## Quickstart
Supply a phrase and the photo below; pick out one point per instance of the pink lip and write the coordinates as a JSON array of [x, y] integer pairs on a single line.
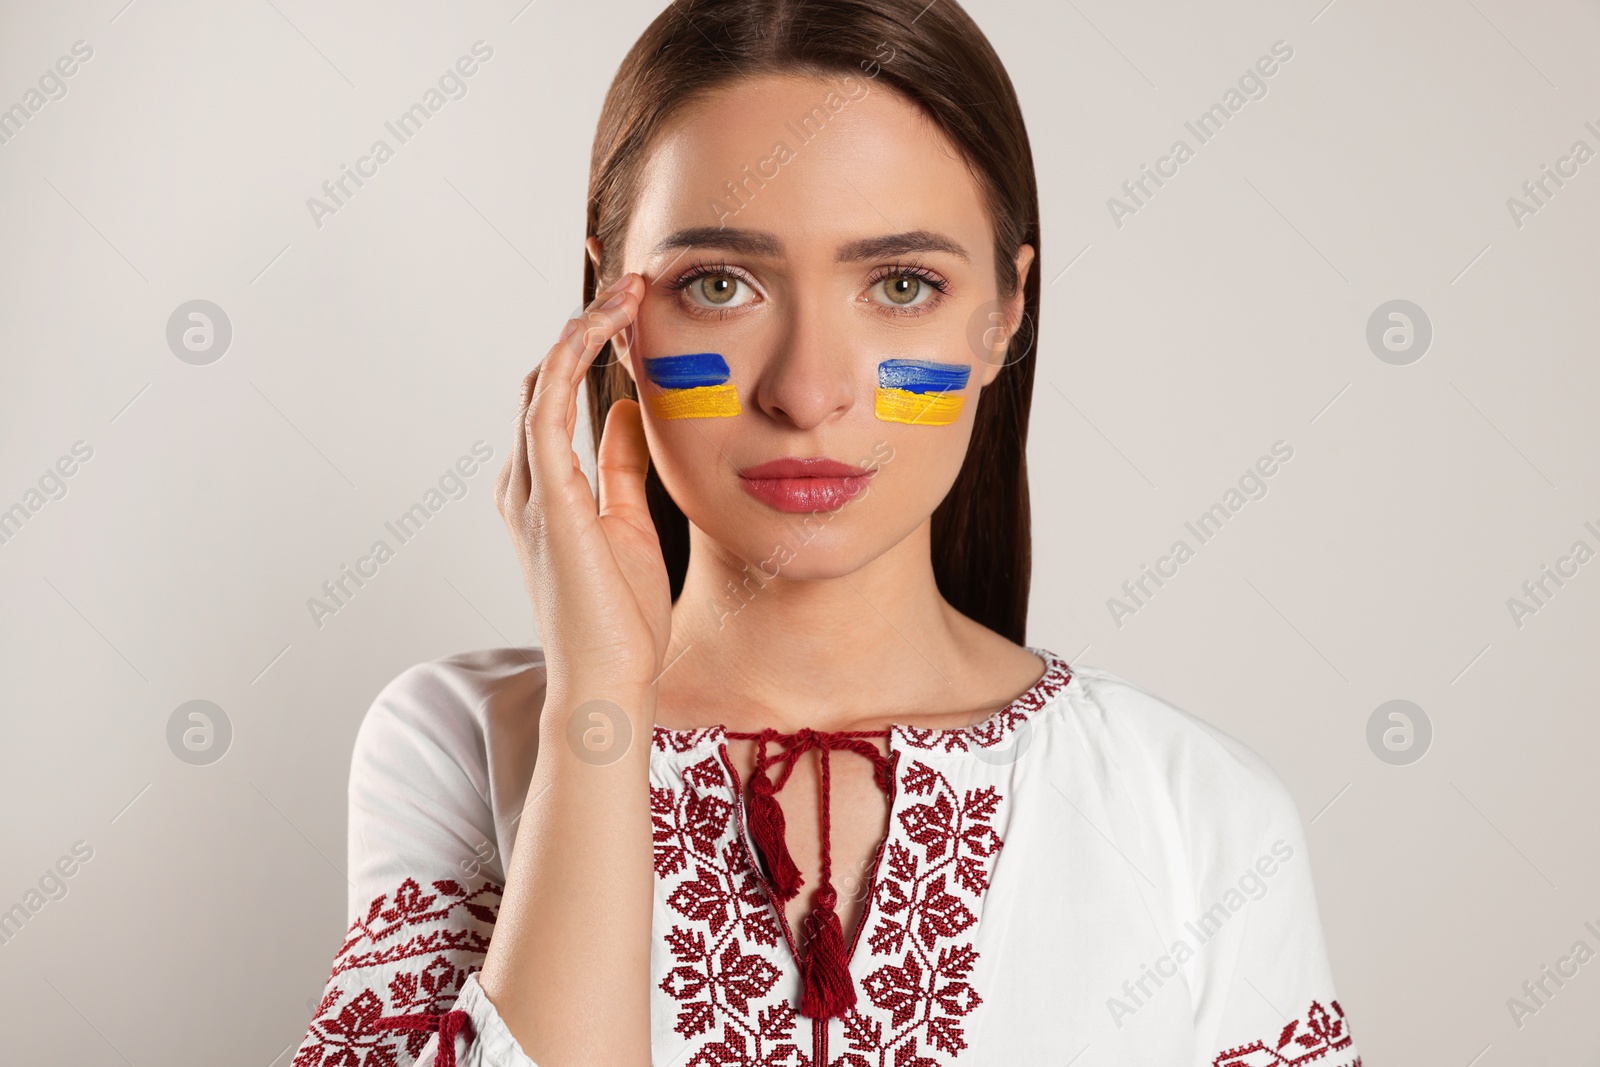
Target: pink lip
[[796, 484]]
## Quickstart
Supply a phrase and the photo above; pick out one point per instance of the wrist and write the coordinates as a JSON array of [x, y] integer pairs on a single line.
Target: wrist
[[570, 691], [593, 718], [590, 675]]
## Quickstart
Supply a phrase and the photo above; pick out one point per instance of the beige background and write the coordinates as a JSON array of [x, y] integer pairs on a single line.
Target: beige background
[[370, 353]]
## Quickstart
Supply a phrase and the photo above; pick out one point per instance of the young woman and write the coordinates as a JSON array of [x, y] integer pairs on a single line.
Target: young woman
[[785, 785]]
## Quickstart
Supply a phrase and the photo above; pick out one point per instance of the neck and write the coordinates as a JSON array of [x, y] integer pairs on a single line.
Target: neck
[[753, 650]]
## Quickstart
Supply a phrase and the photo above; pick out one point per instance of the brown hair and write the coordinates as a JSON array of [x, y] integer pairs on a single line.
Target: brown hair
[[939, 60]]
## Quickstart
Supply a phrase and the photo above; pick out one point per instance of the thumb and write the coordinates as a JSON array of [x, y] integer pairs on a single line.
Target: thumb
[[621, 463]]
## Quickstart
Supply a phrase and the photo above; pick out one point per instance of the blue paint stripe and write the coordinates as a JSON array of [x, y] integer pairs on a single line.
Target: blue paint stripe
[[687, 372], [923, 376]]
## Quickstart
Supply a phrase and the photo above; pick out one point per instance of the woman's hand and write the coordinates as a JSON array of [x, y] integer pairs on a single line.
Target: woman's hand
[[571, 990], [594, 571]]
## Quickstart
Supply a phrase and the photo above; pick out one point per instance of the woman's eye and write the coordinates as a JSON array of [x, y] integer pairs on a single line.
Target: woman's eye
[[904, 290], [718, 291]]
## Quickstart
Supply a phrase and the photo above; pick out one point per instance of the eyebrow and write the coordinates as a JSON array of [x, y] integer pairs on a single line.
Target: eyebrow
[[761, 243], [748, 242], [899, 244]]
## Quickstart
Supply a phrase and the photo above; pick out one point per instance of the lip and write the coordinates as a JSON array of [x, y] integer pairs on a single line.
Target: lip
[[796, 484]]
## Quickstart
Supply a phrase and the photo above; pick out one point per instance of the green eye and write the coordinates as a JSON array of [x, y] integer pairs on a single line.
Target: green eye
[[902, 288], [715, 288], [718, 288], [905, 288]]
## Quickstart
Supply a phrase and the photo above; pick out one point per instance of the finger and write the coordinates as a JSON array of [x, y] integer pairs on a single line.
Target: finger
[[630, 293], [552, 414], [502, 482], [535, 398], [622, 462], [562, 362], [601, 326], [630, 282], [514, 483]]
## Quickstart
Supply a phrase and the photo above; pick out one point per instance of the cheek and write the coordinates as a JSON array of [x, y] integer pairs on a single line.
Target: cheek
[[689, 459], [921, 392], [694, 385]]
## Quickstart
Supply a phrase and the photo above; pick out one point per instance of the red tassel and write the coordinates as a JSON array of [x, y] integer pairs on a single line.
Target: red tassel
[[826, 989], [767, 830]]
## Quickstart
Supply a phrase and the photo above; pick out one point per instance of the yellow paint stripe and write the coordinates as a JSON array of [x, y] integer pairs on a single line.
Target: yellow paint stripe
[[701, 402], [919, 409]]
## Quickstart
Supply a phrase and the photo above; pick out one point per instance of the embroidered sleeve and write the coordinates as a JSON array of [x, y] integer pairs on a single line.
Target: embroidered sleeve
[[427, 877], [392, 995], [1259, 913]]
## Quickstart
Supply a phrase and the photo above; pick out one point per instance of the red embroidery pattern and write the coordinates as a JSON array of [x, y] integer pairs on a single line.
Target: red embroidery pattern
[[665, 740], [1321, 1034], [707, 880], [446, 939], [998, 727], [924, 902], [994, 730]]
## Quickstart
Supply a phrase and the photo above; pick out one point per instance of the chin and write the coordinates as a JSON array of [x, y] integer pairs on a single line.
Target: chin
[[813, 545], [804, 546]]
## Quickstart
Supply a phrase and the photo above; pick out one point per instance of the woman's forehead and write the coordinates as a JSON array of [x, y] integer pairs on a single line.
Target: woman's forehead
[[816, 162]]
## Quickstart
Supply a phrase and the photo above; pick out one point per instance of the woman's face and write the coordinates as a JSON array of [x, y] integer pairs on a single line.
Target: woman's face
[[825, 259]]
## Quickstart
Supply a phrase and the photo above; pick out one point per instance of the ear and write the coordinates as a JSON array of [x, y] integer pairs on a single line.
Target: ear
[[621, 344], [998, 337]]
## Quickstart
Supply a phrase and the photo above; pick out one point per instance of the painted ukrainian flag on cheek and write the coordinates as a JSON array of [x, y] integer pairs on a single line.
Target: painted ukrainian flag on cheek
[[694, 386], [921, 392]]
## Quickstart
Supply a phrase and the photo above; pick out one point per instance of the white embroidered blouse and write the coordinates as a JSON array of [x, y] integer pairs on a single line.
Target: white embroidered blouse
[[1089, 871]]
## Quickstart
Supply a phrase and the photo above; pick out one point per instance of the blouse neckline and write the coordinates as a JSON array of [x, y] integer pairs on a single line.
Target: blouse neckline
[[997, 729]]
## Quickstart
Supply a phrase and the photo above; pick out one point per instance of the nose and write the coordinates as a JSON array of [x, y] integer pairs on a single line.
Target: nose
[[812, 376]]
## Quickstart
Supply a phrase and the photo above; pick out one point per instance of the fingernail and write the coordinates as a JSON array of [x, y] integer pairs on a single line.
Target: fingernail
[[569, 329], [615, 302]]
